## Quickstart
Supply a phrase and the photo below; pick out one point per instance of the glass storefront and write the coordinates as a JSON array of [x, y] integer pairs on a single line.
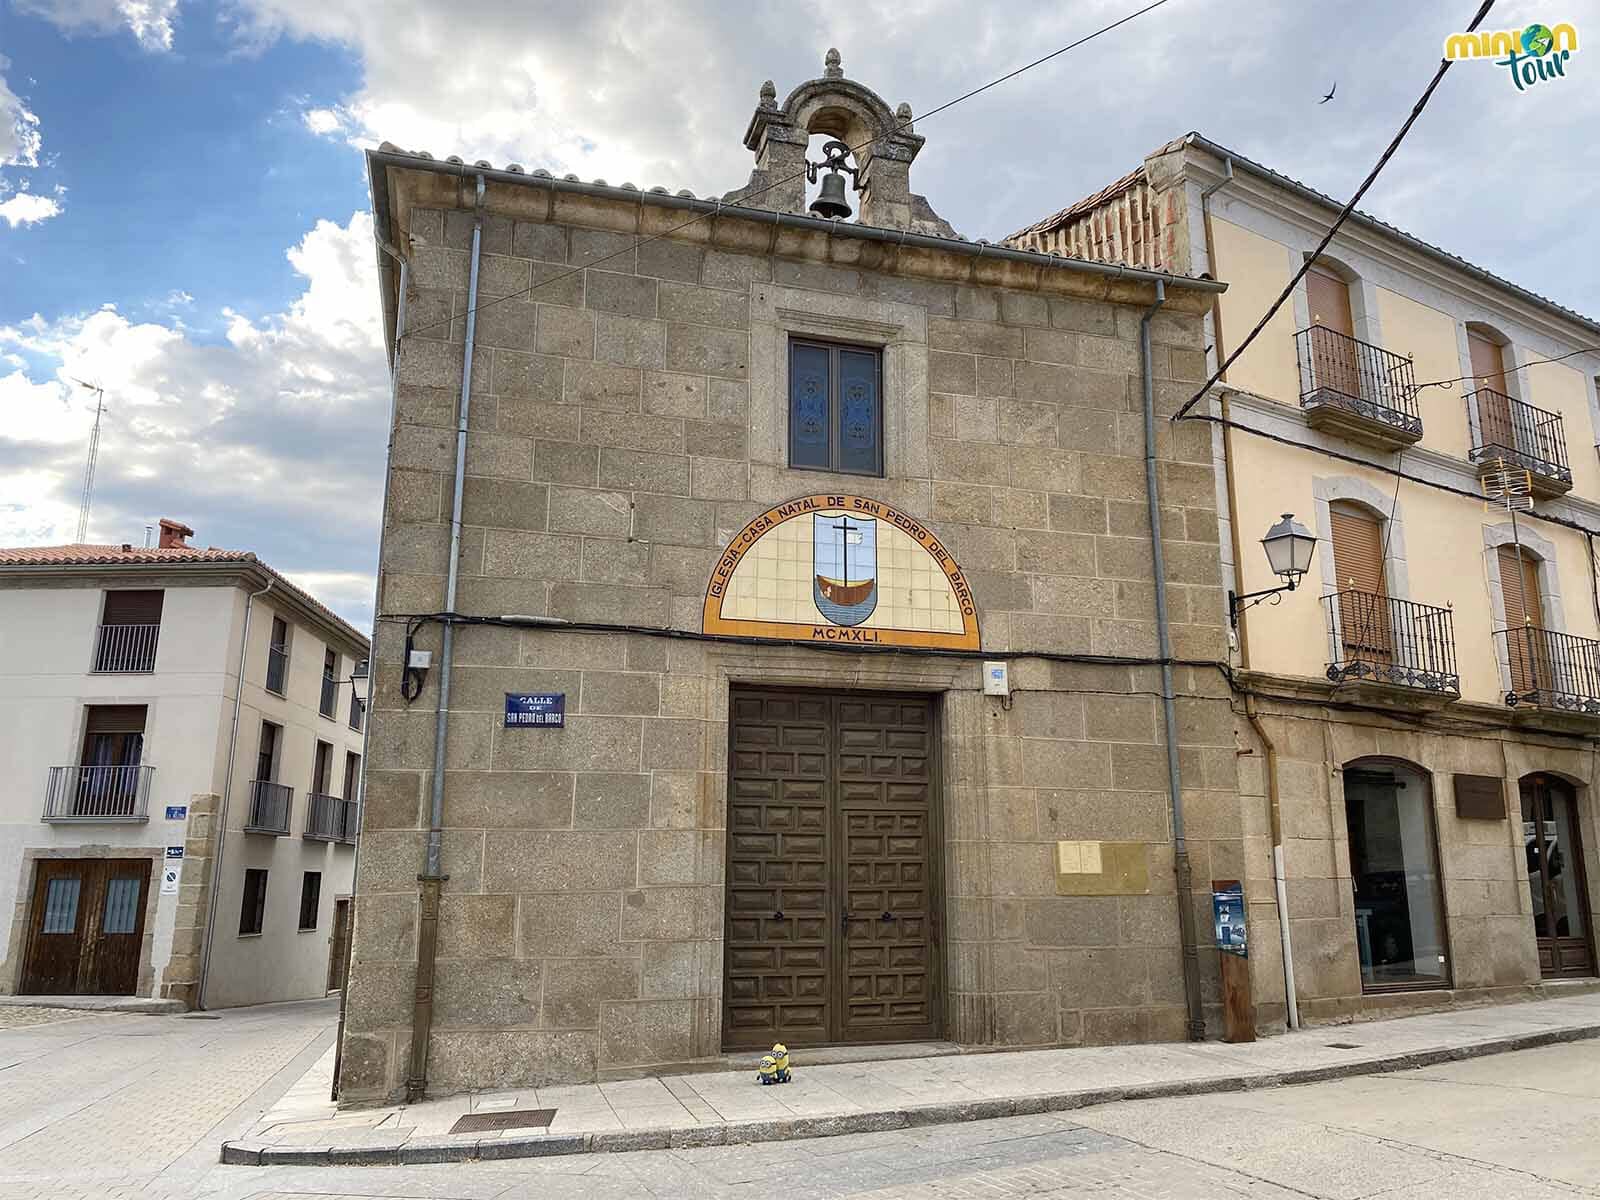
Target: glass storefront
[[1394, 868]]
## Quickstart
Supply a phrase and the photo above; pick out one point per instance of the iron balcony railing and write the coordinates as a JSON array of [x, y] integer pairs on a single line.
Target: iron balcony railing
[[269, 807], [330, 818], [126, 648], [277, 668], [1360, 378], [1550, 669], [1379, 639], [1523, 435], [81, 793], [330, 696]]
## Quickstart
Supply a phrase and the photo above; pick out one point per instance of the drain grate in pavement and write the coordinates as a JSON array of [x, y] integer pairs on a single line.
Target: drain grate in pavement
[[1343, 1046], [518, 1118]]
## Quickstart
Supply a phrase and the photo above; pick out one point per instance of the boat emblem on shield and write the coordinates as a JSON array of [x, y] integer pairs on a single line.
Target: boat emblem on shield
[[845, 553]]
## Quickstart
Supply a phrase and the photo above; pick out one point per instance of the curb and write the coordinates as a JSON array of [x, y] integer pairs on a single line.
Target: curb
[[735, 1133]]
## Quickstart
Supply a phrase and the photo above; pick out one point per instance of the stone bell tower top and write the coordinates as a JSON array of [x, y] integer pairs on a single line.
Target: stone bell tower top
[[839, 108]]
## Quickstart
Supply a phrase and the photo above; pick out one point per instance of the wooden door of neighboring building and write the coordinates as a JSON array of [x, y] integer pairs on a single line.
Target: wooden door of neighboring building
[[87, 929], [339, 946], [1365, 627], [1336, 364], [1526, 649], [1556, 878], [831, 849]]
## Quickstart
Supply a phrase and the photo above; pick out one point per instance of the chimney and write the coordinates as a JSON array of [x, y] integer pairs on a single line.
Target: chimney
[[173, 535]]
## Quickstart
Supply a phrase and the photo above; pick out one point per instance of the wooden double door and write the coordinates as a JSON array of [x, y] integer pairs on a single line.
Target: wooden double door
[[832, 930], [87, 928], [1554, 853]]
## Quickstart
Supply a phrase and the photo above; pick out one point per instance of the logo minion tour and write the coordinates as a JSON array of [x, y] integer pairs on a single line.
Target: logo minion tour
[[1532, 55]]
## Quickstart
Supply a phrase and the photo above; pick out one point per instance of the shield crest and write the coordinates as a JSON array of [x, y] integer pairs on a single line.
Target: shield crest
[[844, 550]]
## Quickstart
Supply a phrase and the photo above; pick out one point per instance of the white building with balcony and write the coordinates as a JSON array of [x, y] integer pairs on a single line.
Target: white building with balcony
[[182, 732]]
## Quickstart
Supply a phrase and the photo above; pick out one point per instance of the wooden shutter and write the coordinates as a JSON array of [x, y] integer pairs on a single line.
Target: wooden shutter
[[115, 718], [1329, 298], [133, 608], [1495, 426], [1363, 595], [1526, 646], [1488, 362]]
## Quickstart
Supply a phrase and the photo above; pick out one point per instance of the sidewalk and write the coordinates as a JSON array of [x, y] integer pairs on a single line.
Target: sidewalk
[[121, 1004], [726, 1108]]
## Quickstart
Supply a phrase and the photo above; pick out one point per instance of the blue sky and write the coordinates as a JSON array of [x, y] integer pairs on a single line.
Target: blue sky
[[183, 204]]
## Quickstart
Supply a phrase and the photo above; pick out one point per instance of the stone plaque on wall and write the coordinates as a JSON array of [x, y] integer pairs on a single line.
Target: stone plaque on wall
[[1480, 797]]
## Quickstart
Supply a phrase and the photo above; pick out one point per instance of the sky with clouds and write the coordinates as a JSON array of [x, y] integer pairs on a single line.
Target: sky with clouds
[[184, 211]]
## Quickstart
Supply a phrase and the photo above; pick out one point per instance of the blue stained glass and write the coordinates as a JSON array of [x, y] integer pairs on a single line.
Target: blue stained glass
[[61, 906], [808, 406], [122, 906], [860, 416]]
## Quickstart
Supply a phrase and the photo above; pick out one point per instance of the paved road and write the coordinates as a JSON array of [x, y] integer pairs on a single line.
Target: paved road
[[118, 1105], [136, 1107]]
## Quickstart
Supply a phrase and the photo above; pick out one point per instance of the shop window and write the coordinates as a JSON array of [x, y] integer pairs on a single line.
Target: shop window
[[1394, 868]]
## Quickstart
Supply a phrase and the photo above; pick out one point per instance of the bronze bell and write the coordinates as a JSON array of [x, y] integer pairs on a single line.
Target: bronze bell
[[830, 202]]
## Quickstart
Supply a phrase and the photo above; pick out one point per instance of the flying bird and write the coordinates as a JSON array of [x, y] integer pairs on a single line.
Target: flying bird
[[1331, 91]]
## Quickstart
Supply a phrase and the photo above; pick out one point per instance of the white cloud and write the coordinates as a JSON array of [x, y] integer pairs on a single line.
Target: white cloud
[[150, 21], [271, 440], [28, 208], [323, 121], [19, 127]]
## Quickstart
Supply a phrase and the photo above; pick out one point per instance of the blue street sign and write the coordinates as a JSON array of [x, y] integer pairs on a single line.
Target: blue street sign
[[174, 851], [543, 710], [177, 812]]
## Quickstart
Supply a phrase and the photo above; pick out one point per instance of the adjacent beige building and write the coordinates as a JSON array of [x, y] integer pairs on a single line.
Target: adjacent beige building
[[1415, 725], [183, 741], [831, 541]]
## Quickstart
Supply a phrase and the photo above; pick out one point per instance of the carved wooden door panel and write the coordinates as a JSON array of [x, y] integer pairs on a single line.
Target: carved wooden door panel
[[778, 927], [831, 844], [885, 815]]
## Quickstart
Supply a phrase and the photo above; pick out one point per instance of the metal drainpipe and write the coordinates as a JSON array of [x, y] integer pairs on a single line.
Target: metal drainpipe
[[432, 878], [366, 730], [1169, 715], [1274, 807], [227, 792]]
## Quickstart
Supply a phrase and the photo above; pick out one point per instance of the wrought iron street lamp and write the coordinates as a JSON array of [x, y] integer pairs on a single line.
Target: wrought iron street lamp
[[1289, 546]]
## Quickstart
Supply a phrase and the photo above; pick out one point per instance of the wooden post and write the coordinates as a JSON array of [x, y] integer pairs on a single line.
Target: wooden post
[[1233, 949]]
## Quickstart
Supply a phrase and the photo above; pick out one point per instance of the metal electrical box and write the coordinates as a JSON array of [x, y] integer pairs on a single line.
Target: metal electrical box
[[996, 679]]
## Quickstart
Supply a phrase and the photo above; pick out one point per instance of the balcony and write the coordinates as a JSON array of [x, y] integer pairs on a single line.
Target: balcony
[[1396, 649], [1522, 436], [1359, 391], [125, 649], [98, 794], [330, 819], [277, 668], [1556, 672], [330, 697], [269, 807]]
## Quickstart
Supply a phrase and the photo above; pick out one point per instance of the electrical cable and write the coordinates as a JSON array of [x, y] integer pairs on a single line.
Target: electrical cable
[[1536, 362], [632, 246], [1344, 214]]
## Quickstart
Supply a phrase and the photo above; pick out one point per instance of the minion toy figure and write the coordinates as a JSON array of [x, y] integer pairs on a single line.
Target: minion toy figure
[[780, 1058], [767, 1071]]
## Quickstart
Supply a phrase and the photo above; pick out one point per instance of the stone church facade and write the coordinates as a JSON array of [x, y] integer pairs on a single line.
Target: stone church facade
[[760, 501]]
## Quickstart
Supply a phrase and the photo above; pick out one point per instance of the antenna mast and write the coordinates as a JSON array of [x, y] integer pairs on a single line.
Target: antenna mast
[[94, 453]]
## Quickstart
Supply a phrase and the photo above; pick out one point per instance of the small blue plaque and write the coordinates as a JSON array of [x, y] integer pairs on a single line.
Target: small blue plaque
[[174, 851], [1227, 902], [536, 710], [177, 812]]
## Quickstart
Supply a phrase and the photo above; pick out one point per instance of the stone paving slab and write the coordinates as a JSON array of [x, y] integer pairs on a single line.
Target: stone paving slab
[[729, 1108], [124, 1004]]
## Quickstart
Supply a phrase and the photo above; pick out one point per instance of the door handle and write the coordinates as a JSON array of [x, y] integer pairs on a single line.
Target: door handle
[[778, 916], [844, 921]]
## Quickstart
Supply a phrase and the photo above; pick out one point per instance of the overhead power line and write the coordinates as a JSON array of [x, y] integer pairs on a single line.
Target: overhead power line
[[1344, 214], [1534, 362], [948, 104]]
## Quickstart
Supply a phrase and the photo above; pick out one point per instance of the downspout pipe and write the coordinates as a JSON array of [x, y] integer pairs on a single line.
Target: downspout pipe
[[1169, 714], [1270, 765], [432, 877], [227, 793], [377, 587]]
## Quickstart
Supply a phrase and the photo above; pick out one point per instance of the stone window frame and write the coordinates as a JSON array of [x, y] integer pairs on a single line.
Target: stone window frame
[[1551, 611], [1383, 505], [898, 331]]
